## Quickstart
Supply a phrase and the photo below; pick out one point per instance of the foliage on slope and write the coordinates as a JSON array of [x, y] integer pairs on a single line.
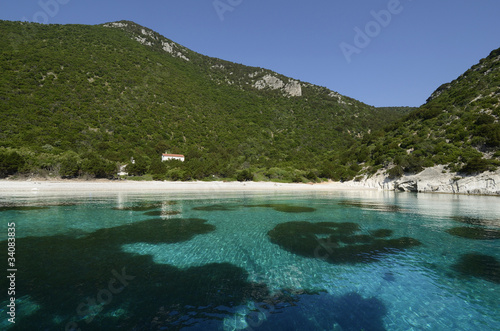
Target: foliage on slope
[[78, 99], [458, 127]]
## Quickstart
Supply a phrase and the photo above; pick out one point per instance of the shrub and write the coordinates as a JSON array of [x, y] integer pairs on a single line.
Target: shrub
[[414, 165], [70, 166], [244, 176], [311, 176], [395, 172], [485, 119], [10, 163], [176, 174], [476, 165], [98, 167]]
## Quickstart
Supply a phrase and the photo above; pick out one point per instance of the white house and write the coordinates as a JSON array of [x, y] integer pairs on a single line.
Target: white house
[[122, 171], [167, 157]]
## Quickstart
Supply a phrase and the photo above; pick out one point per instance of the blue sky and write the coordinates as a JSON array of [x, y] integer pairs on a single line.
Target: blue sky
[[381, 52]]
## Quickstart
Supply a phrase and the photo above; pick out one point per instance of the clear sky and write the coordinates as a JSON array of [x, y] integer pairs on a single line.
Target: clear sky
[[381, 52]]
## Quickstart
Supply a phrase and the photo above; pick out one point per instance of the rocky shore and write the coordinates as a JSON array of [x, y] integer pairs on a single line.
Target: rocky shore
[[437, 180]]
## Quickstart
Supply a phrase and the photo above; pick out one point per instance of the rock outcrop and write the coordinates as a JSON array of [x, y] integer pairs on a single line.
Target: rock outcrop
[[435, 179], [150, 38], [292, 88]]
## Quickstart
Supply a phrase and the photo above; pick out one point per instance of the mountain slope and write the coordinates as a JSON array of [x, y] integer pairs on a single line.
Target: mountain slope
[[78, 99], [457, 127]]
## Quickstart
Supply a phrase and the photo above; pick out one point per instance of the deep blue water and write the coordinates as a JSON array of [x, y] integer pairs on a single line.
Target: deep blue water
[[253, 261]]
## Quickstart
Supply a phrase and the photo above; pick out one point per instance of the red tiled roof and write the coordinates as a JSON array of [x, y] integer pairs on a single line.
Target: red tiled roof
[[174, 155]]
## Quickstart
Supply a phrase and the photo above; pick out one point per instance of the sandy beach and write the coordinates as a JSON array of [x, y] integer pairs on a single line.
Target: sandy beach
[[13, 186]]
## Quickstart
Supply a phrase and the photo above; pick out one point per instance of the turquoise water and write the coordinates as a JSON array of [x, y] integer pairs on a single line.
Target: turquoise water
[[253, 261]]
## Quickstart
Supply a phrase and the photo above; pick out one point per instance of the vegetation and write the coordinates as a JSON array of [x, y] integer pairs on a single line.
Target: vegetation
[[458, 127], [81, 100]]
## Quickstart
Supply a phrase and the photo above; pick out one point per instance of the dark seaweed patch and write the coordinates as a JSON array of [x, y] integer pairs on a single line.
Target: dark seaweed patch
[[475, 233], [342, 245], [479, 265], [345, 228], [75, 284], [154, 231], [217, 207], [389, 276], [370, 206], [60, 204], [162, 213], [285, 208], [21, 208], [476, 221], [349, 312], [353, 312], [64, 274], [358, 239], [381, 233]]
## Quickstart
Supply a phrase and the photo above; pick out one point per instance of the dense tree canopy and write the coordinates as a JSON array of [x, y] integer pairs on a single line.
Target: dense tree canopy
[[81, 100]]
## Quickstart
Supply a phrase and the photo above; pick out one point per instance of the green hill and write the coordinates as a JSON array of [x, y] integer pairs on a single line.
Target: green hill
[[458, 127], [80, 100]]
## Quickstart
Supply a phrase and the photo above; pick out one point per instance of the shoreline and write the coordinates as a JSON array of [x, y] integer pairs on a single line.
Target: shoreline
[[105, 185], [431, 180]]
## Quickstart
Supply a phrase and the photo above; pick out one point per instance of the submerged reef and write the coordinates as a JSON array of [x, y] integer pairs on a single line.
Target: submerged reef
[[479, 265], [336, 242]]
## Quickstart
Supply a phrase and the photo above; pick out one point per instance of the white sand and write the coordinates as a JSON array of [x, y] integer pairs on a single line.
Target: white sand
[[18, 186]]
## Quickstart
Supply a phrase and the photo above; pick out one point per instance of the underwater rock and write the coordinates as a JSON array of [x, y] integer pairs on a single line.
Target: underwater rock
[[479, 265], [340, 245], [475, 233]]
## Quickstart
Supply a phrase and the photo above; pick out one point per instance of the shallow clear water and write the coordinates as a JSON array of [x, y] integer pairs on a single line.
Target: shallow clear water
[[254, 261]]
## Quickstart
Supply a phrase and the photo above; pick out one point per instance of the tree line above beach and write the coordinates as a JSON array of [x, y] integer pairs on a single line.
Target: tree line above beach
[[81, 101]]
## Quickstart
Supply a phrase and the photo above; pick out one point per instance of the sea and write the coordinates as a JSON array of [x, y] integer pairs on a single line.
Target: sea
[[341, 260]]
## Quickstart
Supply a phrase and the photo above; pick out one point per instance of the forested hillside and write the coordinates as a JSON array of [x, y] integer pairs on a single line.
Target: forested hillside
[[80, 100], [458, 127]]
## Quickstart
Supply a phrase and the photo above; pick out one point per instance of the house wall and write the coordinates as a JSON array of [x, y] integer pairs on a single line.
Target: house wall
[[166, 158]]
